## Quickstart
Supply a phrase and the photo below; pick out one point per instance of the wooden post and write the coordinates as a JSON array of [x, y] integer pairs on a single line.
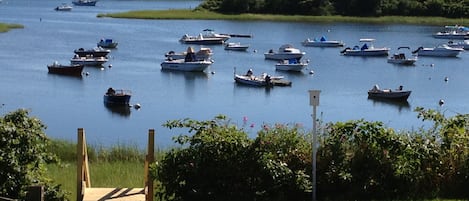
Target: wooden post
[[150, 157], [35, 193], [83, 173]]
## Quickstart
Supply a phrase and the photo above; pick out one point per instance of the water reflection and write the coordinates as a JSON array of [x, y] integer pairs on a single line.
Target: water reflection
[[121, 110], [399, 104], [64, 76]]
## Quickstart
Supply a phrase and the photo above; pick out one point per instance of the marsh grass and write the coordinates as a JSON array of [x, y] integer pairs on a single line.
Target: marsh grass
[[207, 15], [6, 27]]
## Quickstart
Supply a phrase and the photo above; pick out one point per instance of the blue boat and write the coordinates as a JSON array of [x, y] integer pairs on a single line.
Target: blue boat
[[117, 97], [107, 43], [84, 2]]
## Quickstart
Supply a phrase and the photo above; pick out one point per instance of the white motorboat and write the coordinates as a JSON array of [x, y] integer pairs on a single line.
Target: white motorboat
[[189, 63], [182, 65], [263, 80], [367, 49], [210, 33], [401, 58], [389, 94], [88, 60], [236, 47], [286, 51], [63, 7], [291, 65], [322, 42], [461, 44], [439, 51], [201, 40], [455, 32], [204, 53]]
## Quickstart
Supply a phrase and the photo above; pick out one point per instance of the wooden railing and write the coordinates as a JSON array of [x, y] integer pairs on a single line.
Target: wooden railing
[[86, 193]]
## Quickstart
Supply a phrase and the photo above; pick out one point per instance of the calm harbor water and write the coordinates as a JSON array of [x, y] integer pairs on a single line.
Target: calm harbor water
[[67, 103]]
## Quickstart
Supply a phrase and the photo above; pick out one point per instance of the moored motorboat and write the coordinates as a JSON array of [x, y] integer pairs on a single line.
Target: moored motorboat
[[107, 43], [63, 7], [284, 52], [204, 53], [439, 51], [322, 42], [200, 40], [210, 33], [88, 60], [73, 69], [454, 32], [397, 94], [263, 80], [291, 65], [117, 97], [95, 52], [189, 63], [367, 49], [181, 65], [85, 2], [461, 44], [236, 46], [401, 58]]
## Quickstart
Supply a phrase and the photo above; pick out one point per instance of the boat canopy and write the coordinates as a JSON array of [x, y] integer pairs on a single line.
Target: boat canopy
[[323, 38]]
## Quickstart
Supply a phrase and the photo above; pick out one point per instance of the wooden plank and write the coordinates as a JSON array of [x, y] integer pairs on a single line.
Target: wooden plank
[[114, 194]]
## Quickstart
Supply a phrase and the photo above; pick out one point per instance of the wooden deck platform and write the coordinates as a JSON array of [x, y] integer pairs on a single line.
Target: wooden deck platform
[[114, 194]]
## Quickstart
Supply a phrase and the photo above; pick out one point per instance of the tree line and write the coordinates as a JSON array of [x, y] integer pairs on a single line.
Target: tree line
[[362, 8]]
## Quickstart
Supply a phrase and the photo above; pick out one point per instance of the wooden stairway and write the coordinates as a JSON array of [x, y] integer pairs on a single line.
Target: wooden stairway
[[86, 193]]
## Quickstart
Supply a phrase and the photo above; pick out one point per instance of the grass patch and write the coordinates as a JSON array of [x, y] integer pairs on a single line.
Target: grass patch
[[102, 174], [208, 15], [6, 27]]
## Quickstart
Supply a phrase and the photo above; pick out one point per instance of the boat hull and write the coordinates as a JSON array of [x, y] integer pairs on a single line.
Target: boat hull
[[407, 62], [282, 56], [84, 3], [117, 99], [435, 53], [180, 65], [367, 52], [391, 95], [73, 70], [291, 67], [312, 43], [89, 61]]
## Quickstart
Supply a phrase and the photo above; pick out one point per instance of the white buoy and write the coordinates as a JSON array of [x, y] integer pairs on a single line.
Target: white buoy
[[213, 72], [137, 106], [87, 73], [441, 102], [110, 66], [311, 72], [255, 51], [446, 79]]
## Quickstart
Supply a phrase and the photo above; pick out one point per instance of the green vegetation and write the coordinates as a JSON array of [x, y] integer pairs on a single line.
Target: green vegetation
[[207, 15], [371, 8], [357, 160], [6, 27], [23, 157], [216, 160]]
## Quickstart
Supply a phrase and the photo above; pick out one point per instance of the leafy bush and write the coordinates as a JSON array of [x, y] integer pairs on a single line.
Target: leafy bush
[[220, 162], [23, 156]]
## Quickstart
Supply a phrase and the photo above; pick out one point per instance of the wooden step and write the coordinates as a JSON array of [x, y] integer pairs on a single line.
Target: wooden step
[[114, 194]]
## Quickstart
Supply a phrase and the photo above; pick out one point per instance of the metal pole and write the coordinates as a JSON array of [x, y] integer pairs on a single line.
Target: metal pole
[[314, 152]]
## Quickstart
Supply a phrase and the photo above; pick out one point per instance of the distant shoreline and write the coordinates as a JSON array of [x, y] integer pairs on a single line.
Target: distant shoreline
[[207, 15]]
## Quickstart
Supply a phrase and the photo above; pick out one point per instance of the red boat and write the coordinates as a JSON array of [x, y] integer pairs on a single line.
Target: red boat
[[73, 69]]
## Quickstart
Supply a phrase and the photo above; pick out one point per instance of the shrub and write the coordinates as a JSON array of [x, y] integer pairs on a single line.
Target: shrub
[[23, 156]]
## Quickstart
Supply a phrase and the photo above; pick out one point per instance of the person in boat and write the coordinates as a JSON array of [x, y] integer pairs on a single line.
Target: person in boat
[[401, 87], [249, 73], [190, 56], [375, 88], [268, 80], [111, 91]]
